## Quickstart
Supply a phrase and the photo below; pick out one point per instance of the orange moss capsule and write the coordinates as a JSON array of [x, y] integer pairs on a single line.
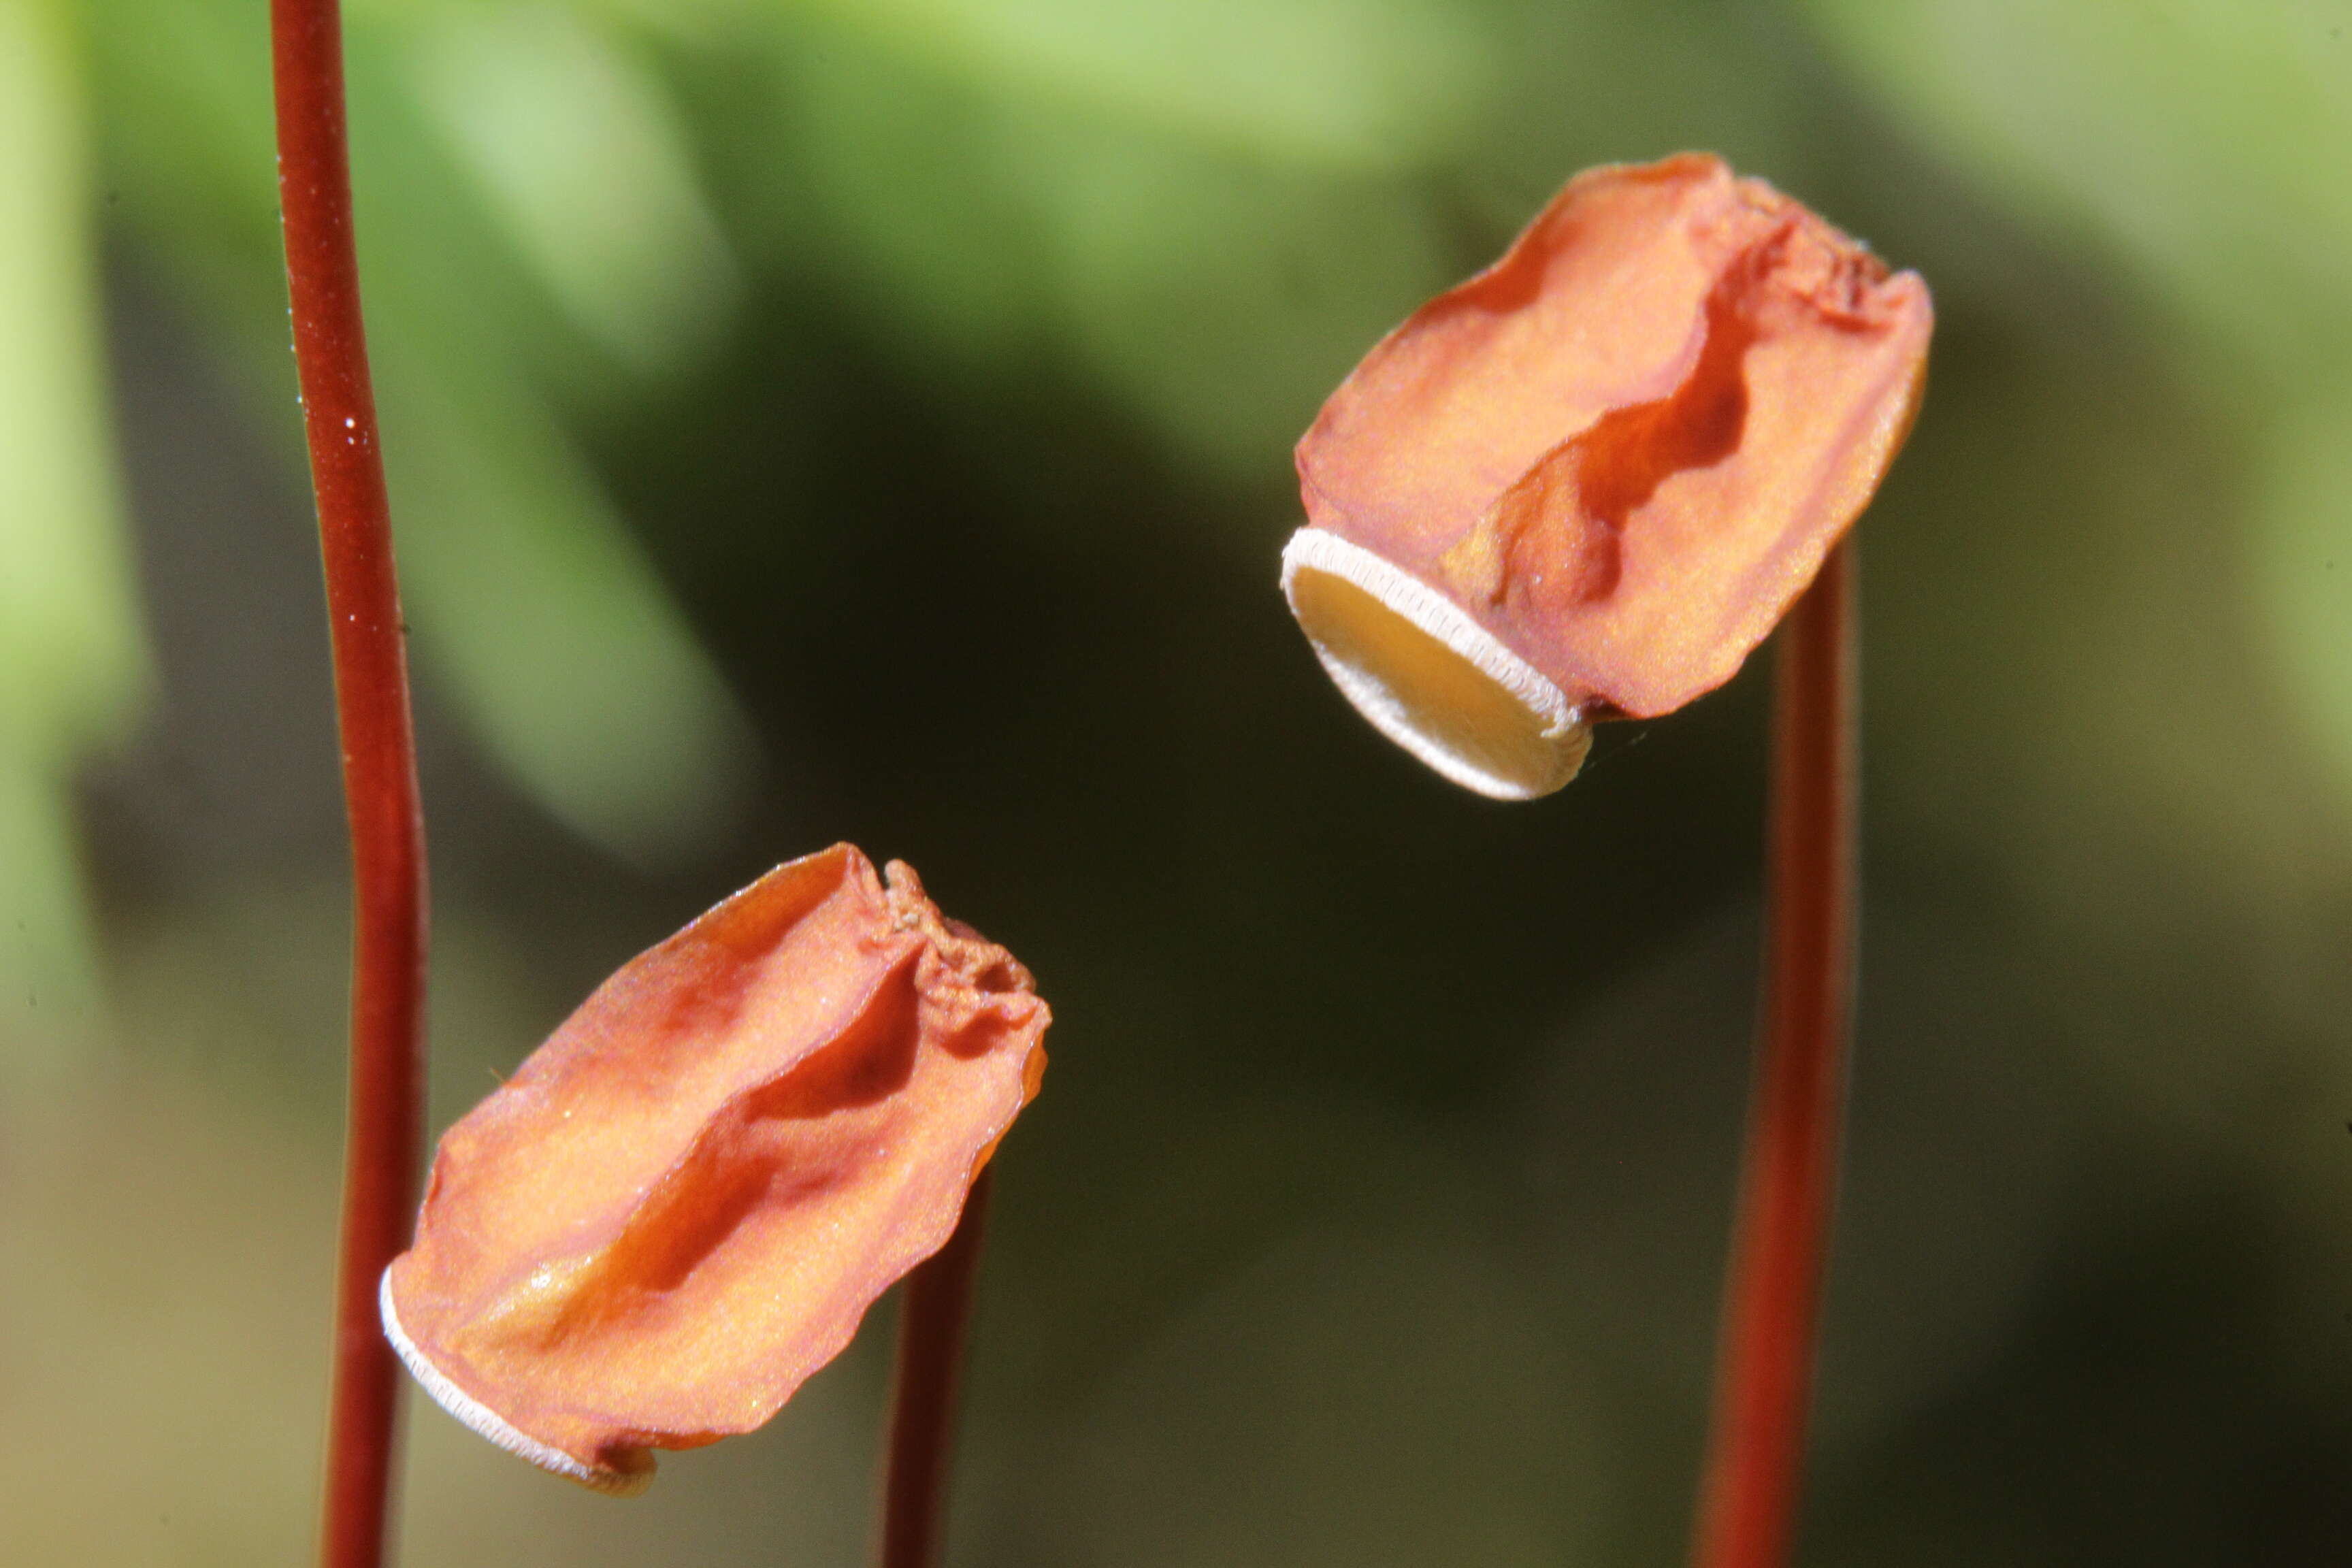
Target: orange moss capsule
[[683, 1203], [1587, 481]]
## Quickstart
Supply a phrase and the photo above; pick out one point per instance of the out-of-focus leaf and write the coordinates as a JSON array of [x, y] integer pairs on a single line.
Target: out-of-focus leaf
[[2304, 570], [544, 617], [579, 148], [71, 664], [896, 176], [1220, 295], [69, 645], [2204, 139], [560, 645], [532, 600], [1579, 82], [187, 145], [48, 986], [1363, 84], [1224, 298]]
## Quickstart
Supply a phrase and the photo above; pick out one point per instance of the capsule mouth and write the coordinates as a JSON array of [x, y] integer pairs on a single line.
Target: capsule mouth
[[1427, 675], [630, 1472]]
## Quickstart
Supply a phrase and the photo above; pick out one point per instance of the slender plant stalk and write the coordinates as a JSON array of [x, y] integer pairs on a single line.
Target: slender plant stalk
[[934, 1309], [1748, 1501], [386, 1111]]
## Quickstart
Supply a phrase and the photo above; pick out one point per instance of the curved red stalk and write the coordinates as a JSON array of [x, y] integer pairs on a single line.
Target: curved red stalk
[[1750, 1499], [385, 1114], [934, 1308]]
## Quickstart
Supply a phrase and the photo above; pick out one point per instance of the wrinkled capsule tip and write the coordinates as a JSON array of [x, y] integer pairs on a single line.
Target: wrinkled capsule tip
[[632, 1472], [1427, 675]]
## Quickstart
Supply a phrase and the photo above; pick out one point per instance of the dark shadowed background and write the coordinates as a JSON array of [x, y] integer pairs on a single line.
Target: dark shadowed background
[[869, 419]]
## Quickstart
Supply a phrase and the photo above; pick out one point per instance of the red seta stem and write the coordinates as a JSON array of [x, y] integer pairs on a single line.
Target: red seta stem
[[386, 1116], [934, 1309], [1748, 1502]]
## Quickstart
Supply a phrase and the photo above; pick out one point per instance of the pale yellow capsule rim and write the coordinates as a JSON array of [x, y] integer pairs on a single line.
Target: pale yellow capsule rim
[[1428, 675], [480, 1418]]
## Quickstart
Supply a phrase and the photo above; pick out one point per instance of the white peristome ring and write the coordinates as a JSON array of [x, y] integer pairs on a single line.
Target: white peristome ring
[[1427, 675], [489, 1423]]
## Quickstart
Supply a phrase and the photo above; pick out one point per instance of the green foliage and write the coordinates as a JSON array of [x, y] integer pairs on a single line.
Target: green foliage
[[2199, 145], [2200, 140], [71, 666]]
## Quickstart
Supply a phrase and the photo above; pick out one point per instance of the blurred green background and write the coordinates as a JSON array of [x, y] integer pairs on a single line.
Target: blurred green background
[[819, 419]]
